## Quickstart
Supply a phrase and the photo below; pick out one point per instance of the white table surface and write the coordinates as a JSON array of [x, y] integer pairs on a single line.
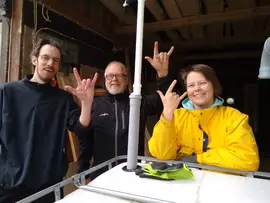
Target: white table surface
[[207, 187]]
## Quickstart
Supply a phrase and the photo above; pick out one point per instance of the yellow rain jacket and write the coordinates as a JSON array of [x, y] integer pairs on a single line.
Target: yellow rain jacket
[[231, 143]]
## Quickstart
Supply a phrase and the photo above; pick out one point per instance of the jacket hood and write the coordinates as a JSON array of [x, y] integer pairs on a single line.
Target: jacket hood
[[187, 103]]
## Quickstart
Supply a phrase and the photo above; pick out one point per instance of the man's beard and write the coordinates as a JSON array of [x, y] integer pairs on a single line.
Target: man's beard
[[116, 90], [44, 79]]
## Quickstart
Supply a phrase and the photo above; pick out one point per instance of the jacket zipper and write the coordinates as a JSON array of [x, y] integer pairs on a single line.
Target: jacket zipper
[[123, 120], [116, 129], [3, 169], [205, 140]]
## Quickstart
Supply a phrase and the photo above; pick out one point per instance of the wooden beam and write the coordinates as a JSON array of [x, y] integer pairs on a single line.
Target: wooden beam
[[207, 44], [156, 10], [235, 5], [173, 11], [197, 20], [15, 42], [214, 30], [127, 59], [91, 15], [192, 8], [125, 15], [4, 42], [223, 55], [242, 28]]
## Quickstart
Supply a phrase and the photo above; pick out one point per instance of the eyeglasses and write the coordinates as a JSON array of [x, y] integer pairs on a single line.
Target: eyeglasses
[[118, 76], [47, 58]]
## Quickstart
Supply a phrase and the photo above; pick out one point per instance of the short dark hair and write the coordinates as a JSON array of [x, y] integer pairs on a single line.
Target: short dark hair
[[207, 72], [41, 42]]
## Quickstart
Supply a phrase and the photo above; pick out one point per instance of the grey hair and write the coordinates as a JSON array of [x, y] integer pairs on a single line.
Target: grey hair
[[117, 62]]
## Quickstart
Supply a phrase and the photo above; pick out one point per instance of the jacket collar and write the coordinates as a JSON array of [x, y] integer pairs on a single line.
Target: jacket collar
[[118, 97], [27, 81], [187, 103]]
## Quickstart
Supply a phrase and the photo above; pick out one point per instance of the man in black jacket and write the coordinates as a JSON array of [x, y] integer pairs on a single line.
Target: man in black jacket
[[110, 113], [33, 122]]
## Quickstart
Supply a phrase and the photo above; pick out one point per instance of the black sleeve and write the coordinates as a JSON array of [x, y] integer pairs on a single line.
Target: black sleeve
[[86, 150], [74, 124], [1, 106], [94, 114], [86, 141]]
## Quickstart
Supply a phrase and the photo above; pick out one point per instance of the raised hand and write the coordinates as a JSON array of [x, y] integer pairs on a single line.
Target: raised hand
[[85, 88], [160, 61], [170, 101]]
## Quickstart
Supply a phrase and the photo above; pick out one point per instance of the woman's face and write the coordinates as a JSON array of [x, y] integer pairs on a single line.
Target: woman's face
[[200, 91]]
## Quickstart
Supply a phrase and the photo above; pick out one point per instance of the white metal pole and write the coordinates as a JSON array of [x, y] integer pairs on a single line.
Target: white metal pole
[[139, 44], [135, 97]]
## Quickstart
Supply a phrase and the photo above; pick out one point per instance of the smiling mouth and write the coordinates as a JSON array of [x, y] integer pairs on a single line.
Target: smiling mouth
[[199, 95], [49, 70]]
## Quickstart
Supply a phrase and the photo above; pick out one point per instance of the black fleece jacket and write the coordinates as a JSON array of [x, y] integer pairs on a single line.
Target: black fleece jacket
[[33, 123], [109, 125]]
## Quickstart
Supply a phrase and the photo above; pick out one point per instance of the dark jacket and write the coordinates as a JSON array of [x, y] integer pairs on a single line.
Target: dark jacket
[[33, 123], [109, 125]]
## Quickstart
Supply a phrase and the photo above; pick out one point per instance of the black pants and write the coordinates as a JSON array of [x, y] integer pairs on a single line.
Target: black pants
[[15, 194]]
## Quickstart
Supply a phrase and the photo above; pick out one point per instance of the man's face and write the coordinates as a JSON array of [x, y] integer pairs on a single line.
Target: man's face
[[116, 78], [47, 63]]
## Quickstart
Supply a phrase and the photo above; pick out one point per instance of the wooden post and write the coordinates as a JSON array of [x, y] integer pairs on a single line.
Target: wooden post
[[130, 89], [15, 42], [4, 40]]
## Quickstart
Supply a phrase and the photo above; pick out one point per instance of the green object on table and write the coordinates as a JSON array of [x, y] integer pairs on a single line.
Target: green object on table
[[163, 171]]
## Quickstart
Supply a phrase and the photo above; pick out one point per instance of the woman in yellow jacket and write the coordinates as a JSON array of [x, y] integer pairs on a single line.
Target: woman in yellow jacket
[[204, 131]]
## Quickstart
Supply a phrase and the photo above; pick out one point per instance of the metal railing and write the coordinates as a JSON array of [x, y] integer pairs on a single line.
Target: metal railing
[[79, 180]]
